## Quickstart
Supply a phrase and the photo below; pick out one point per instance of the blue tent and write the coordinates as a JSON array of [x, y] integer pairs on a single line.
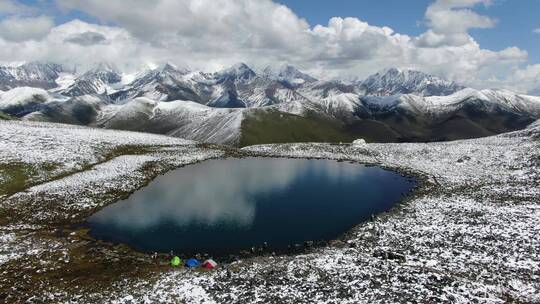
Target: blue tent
[[191, 263]]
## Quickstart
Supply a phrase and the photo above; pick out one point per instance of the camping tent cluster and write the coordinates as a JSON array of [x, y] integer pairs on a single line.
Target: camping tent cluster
[[193, 263]]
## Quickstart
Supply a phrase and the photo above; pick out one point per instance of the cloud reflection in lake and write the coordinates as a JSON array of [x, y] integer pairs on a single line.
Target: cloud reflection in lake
[[214, 191]]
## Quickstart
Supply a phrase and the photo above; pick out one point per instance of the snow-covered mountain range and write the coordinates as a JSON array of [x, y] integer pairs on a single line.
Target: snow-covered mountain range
[[238, 105], [33, 74], [395, 81], [101, 79]]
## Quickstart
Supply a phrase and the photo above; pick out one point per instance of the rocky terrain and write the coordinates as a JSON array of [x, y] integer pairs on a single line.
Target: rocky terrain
[[469, 233]]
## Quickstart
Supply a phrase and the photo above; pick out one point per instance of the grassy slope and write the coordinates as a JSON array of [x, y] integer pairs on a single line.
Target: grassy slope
[[14, 177], [18, 176], [4, 116], [373, 131], [277, 127]]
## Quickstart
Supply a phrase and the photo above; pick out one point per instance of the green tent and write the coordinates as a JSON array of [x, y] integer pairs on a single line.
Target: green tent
[[176, 261]]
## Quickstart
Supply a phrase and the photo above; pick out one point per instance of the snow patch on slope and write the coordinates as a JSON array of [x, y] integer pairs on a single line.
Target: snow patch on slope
[[23, 96]]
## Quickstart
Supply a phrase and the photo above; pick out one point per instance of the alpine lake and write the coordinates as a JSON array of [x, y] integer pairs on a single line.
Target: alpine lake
[[224, 206]]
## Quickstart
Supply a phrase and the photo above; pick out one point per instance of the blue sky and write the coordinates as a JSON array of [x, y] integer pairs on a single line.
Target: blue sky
[[516, 19]]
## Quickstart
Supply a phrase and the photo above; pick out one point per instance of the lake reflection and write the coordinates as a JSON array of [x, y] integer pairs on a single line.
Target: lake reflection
[[224, 205]]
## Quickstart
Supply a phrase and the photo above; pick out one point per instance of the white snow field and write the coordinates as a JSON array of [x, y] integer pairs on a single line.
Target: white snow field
[[469, 234]]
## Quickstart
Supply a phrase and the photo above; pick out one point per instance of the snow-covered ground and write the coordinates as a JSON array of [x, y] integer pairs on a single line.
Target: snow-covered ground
[[49, 150], [469, 234]]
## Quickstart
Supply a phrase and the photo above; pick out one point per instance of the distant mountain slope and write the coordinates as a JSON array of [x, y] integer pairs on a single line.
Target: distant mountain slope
[[32, 74], [334, 98], [338, 116], [4, 116], [238, 106], [164, 83], [98, 80], [466, 114], [194, 121], [395, 81], [288, 75], [185, 119], [274, 126], [80, 110], [24, 100], [190, 120], [235, 87]]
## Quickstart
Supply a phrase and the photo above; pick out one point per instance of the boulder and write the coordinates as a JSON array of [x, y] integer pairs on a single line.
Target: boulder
[[359, 142]]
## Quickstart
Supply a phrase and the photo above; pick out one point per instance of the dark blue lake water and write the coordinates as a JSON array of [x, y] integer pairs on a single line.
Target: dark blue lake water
[[225, 205]]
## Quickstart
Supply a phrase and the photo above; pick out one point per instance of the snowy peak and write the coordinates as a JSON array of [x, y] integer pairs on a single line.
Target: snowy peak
[[165, 73], [170, 69], [103, 67], [97, 80], [395, 81], [104, 72], [289, 75], [165, 83], [33, 74], [239, 71]]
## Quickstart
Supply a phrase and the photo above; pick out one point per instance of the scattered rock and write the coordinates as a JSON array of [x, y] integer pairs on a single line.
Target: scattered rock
[[463, 159], [359, 142], [390, 255]]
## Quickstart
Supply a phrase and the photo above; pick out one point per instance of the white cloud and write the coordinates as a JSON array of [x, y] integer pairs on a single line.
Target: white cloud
[[454, 16], [221, 23], [122, 47], [204, 34], [8, 7], [449, 22], [25, 28], [525, 80], [537, 31]]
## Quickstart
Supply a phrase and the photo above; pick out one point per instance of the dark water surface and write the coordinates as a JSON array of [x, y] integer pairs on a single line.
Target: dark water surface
[[225, 205]]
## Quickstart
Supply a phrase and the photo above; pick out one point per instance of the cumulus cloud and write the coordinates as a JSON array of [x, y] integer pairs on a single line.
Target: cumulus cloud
[[86, 38], [122, 47], [204, 34], [25, 28], [449, 22], [221, 23], [526, 79], [454, 16]]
